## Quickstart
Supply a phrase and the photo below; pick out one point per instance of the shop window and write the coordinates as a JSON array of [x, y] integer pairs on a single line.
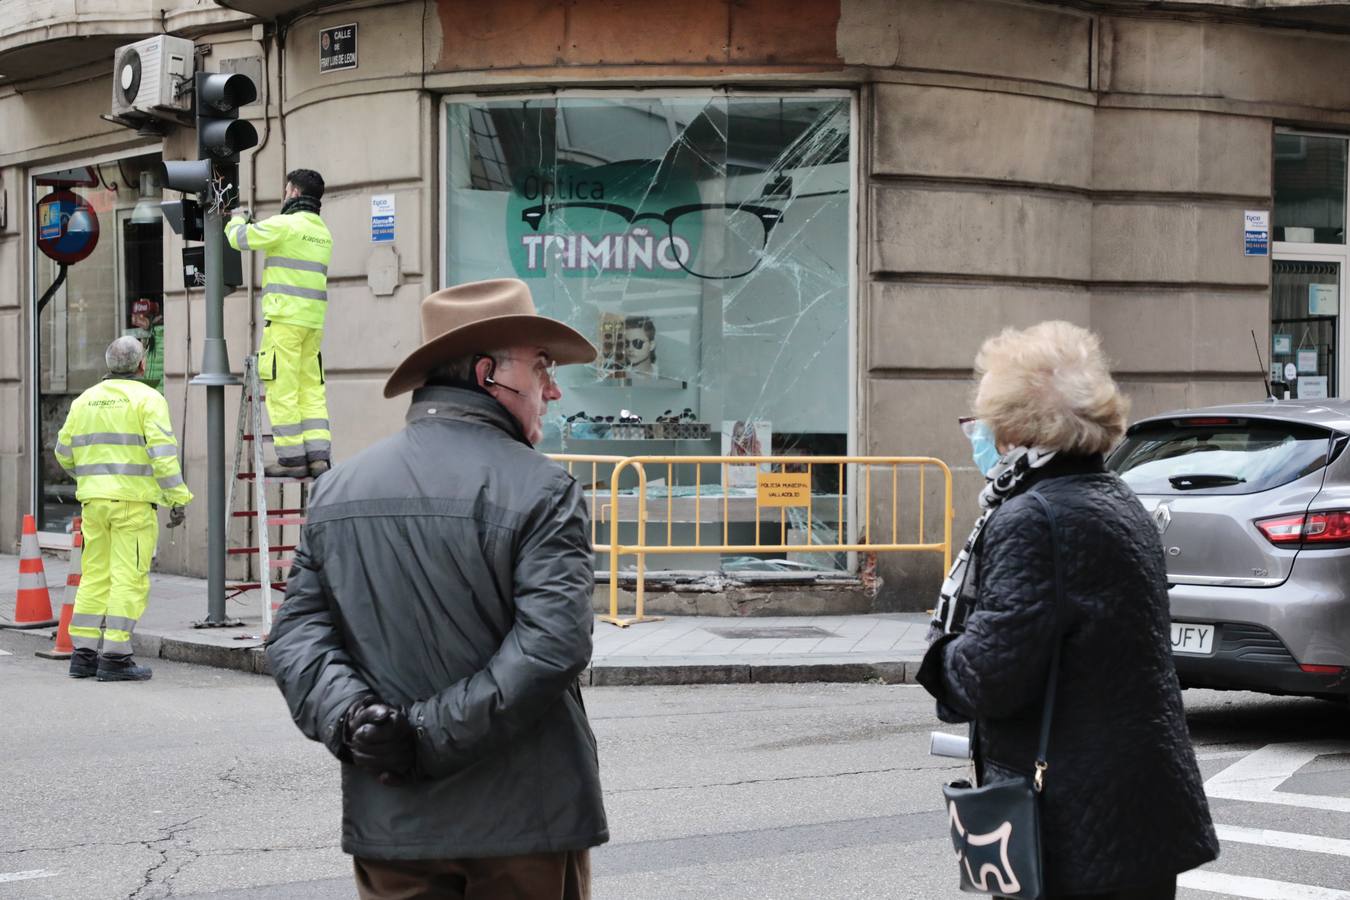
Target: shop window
[[701, 242], [1310, 175], [85, 301]]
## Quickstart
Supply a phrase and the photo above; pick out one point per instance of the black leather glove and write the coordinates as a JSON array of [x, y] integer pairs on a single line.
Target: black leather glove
[[381, 740], [176, 516]]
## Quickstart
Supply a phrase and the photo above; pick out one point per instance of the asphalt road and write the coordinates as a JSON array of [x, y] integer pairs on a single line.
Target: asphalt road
[[197, 785]]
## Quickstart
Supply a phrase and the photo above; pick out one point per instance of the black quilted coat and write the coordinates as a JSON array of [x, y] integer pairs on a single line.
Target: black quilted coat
[[1123, 805]]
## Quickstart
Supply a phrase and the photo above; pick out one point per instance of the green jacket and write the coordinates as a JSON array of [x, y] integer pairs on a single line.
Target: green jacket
[[295, 272], [118, 443]]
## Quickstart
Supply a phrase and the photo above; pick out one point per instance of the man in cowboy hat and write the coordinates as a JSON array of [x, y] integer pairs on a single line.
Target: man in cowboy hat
[[439, 612]]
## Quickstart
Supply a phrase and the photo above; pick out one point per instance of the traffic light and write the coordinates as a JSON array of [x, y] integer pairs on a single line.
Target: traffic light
[[214, 175], [184, 217], [221, 134]]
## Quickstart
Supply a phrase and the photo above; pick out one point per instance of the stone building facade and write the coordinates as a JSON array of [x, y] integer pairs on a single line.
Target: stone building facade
[[927, 172]]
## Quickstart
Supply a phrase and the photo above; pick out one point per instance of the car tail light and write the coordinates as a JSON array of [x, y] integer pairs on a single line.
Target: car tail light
[[1323, 527], [1322, 670]]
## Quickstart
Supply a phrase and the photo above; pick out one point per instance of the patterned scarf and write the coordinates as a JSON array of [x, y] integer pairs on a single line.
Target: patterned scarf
[[1005, 480]]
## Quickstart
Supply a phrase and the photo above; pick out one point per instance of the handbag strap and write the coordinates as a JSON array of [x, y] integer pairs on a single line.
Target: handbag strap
[[1048, 709]]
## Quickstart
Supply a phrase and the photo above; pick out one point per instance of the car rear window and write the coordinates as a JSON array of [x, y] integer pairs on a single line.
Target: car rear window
[[1219, 455]]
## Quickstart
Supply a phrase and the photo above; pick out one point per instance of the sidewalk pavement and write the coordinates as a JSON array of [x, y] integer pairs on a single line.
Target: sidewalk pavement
[[675, 650]]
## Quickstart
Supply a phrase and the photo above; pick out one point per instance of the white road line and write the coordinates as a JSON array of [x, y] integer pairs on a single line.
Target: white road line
[[1256, 888], [1257, 778], [24, 876], [1285, 840], [5, 653]]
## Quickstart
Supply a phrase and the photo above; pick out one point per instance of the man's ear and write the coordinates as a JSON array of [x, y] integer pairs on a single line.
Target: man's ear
[[483, 369]]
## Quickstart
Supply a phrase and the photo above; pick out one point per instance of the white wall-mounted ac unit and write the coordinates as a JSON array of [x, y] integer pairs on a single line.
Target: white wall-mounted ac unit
[[147, 76]]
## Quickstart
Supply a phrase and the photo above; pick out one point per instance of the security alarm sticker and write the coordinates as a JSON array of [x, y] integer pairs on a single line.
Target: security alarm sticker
[[382, 215]]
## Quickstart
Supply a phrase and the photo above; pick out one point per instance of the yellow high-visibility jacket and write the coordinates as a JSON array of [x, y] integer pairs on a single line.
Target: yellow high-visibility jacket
[[118, 443], [295, 273]]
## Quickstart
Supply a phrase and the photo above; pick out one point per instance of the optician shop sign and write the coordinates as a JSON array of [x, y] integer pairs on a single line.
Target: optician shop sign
[[631, 219]]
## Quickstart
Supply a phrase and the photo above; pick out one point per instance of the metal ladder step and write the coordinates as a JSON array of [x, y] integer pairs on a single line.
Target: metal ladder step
[[253, 551]]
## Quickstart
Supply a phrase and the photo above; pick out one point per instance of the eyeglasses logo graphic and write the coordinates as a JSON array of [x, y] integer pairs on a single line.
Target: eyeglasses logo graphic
[[735, 236]]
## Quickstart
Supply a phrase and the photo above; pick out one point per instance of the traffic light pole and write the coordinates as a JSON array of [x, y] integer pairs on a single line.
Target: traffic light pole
[[214, 178], [215, 375]]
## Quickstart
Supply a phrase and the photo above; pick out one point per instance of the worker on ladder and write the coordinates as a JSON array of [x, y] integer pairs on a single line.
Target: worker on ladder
[[118, 443], [295, 298]]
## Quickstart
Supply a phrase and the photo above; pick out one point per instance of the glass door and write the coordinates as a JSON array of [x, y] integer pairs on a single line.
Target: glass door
[[83, 304], [1308, 266], [1305, 300]]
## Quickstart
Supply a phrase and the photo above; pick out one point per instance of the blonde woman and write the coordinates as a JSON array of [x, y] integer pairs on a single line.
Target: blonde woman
[[1123, 808]]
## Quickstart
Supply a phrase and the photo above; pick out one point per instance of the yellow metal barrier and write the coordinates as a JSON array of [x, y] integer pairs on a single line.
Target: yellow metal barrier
[[595, 473], [744, 490]]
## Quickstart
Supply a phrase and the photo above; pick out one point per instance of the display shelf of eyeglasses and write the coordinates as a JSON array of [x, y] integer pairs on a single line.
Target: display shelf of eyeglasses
[[641, 431]]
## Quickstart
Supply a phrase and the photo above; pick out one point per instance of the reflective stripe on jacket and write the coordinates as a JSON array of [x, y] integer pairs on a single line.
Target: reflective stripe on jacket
[[118, 443], [295, 272]]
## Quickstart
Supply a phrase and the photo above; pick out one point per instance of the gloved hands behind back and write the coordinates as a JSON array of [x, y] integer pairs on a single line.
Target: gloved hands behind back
[[381, 740], [176, 516]]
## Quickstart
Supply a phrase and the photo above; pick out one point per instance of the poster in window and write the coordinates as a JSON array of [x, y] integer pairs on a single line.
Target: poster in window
[[1323, 300], [1313, 387], [746, 437]]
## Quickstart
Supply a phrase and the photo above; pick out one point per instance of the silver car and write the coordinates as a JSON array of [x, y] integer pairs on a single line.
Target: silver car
[[1253, 505]]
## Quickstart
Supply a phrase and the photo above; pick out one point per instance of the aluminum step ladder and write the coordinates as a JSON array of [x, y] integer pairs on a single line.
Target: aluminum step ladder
[[261, 517]]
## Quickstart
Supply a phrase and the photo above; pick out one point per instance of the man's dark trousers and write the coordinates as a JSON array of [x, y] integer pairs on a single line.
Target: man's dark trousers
[[534, 876]]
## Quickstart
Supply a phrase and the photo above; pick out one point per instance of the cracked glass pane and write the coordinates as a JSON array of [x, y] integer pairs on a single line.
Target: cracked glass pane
[[701, 243]]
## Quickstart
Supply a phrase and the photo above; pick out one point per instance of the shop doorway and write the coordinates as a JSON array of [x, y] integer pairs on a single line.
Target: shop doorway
[[1308, 270], [104, 279]]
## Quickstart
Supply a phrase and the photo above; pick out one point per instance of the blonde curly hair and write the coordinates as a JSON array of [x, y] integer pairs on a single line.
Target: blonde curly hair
[[1049, 386]]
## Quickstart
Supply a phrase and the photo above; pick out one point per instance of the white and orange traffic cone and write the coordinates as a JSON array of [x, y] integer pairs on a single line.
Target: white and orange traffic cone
[[33, 605], [63, 648]]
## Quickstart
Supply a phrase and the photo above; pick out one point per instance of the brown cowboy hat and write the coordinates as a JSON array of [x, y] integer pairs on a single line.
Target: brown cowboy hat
[[481, 316]]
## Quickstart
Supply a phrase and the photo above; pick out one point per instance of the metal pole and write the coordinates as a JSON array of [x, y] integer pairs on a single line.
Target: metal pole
[[215, 375]]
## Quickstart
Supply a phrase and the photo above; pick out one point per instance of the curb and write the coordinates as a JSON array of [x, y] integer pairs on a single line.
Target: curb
[[898, 672], [254, 661]]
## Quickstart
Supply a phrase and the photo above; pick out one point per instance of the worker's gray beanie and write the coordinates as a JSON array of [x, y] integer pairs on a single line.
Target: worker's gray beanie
[[124, 355]]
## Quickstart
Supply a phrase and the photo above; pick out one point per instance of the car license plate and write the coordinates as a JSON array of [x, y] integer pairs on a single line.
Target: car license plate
[[1192, 639]]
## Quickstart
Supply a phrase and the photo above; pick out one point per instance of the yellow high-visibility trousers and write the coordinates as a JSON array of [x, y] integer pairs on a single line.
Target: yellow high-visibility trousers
[[119, 543], [290, 364]]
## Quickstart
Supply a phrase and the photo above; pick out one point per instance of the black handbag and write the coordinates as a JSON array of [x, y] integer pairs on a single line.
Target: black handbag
[[996, 828]]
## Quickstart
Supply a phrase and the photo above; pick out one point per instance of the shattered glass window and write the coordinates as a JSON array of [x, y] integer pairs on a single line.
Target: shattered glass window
[[700, 242]]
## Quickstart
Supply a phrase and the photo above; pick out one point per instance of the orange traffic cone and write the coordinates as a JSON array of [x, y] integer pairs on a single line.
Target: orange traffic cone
[[33, 605], [63, 647]]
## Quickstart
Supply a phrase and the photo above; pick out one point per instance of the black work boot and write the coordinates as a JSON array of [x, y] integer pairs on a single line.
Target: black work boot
[[285, 470], [83, 664], [317, 467], [121, 668]]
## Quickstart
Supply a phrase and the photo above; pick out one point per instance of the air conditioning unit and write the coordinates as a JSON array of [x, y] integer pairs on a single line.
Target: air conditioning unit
[[153, 77]]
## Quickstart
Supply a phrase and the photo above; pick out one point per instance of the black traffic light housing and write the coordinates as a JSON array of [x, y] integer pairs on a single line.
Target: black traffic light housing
[[214, 175], [185, 218], [221, 134]]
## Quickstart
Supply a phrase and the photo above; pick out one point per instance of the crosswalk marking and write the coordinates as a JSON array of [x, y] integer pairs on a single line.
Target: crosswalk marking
[[1255, 888], [1285, 840], [24, 876], [1257, 777]]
